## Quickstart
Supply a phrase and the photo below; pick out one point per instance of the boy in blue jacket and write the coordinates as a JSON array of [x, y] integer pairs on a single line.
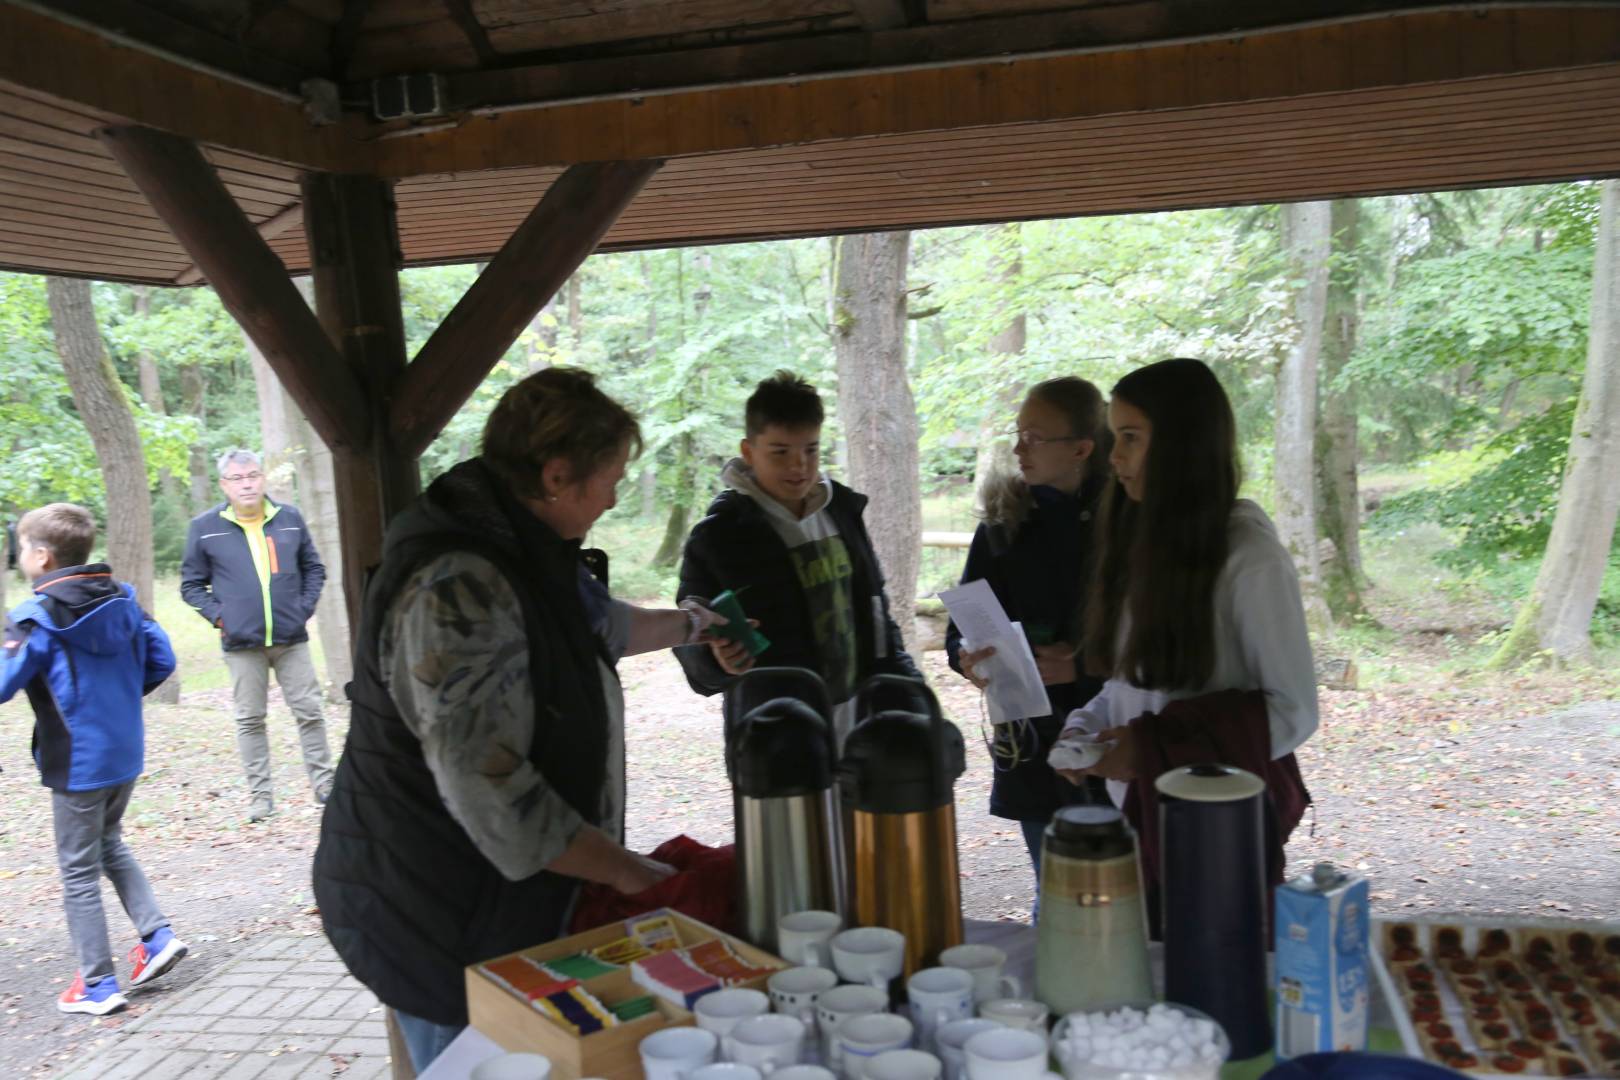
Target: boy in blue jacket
[[85, 654]]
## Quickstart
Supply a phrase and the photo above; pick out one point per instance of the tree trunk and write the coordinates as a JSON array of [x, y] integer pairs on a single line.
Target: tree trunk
[[994, 450], [1556, 620], [876, 409], [1307, 235], [103, 405], [279, 444], [1338, 449], [576, 314], [318, 499], [194, 391]]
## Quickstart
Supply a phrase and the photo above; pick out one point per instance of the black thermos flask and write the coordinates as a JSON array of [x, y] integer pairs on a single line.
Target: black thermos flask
[[1214, 858]]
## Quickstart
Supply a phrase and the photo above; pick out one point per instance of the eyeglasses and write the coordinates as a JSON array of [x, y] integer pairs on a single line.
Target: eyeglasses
[[1025, 437], [239, 477]]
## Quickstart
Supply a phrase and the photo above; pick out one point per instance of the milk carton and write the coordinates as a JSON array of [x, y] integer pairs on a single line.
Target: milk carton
[[1322, 967]]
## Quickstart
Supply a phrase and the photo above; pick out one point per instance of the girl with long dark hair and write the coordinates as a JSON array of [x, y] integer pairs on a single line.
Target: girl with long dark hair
[[1032, 548], [1194, 595]]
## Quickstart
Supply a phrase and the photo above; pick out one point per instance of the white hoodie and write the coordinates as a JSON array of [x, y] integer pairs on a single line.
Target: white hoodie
[[1260, 644]]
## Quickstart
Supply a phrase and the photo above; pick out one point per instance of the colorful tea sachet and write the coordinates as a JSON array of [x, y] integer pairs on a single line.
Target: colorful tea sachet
[[579, 966], [654, 931], [577, 1008], [717, 958], [524, 977], [623, 951], [672, 977], [635, 1008]]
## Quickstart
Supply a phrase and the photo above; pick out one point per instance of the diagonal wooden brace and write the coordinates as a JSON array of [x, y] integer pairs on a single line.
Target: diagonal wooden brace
[[251, 281], [562, 229]]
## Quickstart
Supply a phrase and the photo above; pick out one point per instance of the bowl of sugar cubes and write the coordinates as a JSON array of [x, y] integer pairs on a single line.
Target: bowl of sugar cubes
[[1140, 1041]]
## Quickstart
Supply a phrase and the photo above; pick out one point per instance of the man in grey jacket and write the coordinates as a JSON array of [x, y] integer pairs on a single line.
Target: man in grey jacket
[[251, 569]]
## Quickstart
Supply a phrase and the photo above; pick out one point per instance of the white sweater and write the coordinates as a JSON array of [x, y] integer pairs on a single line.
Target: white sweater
[[1260, 643]]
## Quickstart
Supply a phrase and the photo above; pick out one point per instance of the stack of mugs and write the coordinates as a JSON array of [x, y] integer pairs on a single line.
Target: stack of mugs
[[836, 1015]]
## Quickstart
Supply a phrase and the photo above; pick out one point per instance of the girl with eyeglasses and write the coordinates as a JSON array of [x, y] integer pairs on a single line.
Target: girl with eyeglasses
[[1032, 548]]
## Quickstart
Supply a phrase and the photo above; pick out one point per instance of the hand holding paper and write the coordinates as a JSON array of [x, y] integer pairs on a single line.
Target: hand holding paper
[[1014, 688]]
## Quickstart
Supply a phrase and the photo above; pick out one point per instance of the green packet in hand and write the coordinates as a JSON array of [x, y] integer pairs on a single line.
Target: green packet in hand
[[736, 627]]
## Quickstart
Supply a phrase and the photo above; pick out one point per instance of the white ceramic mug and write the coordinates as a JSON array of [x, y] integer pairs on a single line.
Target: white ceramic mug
[[725, 1070], [938, 995], [795, 991], [869, 954], [1007, 1054], [766, 1042], [673, 1052], [513, 1067], [1021, 1013], [723, 1010], [951, 1037], [904, 1065], [985, 963], [802, 936], [840, 1004], [804, 1072], [861, 1038]]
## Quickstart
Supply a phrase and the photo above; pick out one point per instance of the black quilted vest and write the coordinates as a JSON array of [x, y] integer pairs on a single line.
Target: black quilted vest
[[406, 898]]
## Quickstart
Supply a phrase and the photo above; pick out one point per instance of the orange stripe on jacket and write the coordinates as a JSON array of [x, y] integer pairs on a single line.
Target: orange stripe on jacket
[[270, 548]]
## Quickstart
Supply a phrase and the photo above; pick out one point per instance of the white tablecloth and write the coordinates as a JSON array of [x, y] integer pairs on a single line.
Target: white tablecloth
[[473, 1047]]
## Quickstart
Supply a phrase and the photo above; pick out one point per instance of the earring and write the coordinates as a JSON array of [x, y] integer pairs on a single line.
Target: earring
[[551, 498]]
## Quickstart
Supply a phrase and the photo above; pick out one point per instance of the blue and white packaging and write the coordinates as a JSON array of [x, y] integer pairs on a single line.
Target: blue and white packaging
[[1322, 966]]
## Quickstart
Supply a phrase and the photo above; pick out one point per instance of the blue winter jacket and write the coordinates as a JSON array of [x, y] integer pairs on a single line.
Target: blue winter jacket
[[85, 653]]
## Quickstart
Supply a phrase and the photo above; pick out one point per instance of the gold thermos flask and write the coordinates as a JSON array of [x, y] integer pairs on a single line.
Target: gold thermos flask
[[897, 780]]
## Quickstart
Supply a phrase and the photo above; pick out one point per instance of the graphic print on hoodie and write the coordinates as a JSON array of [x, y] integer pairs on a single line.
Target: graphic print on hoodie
[[821, 561]]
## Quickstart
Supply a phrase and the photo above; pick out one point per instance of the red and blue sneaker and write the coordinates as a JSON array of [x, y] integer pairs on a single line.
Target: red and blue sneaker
[[98, 998], [155, 955]]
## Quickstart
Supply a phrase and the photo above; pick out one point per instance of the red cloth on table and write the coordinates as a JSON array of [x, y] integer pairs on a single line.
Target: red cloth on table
[[703, 887], [1229, 727]]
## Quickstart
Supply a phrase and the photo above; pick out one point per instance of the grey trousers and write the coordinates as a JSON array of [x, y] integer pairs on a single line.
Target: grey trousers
[[90, 843], [300, 687]]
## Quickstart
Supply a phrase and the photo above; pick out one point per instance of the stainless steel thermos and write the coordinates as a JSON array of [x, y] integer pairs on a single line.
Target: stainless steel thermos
[[781, 759]]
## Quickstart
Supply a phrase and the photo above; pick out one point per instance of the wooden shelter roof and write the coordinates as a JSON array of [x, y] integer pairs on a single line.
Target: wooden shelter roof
[[781, 118]]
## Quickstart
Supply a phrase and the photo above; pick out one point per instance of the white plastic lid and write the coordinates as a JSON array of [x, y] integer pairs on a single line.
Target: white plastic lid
[[1210, 783]]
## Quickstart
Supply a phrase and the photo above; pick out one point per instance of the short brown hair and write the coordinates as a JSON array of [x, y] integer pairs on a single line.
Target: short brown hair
[[785, 399], [555, 413], [67, 530]]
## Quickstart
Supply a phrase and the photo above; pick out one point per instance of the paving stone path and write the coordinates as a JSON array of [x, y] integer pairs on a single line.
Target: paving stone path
[[285, 1008]]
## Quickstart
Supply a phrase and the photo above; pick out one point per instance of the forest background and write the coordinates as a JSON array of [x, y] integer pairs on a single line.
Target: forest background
[[1429, 350]]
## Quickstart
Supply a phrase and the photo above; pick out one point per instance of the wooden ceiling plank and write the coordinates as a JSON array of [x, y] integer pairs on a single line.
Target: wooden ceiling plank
[[70, 267], [44, 211], [46, 251], [68, 63]]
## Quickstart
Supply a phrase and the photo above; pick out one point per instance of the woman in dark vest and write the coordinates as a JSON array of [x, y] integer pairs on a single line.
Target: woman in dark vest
[[1034, 550], [483, 778]]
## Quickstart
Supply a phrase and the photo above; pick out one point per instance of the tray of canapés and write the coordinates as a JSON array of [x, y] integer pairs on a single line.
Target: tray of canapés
[[1530, 999]]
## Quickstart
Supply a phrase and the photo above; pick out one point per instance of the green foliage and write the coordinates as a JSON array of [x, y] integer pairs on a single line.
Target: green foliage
[[1506, 506]]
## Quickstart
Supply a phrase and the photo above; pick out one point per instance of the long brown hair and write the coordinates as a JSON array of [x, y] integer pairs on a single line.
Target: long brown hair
[[1160, 558]]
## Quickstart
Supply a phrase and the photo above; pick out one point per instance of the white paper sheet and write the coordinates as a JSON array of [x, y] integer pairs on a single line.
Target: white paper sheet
[[1015, 690]]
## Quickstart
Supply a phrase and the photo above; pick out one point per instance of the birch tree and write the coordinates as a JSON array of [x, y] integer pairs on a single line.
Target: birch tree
[[1556, 620], [1307, 236], [1338, 446], [876, 409]]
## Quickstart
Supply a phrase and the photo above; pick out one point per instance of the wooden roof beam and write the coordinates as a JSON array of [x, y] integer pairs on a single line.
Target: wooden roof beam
[[562, 229], [251, 281]]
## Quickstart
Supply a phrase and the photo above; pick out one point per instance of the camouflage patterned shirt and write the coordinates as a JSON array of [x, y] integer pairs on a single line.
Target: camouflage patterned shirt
[[454, 658]]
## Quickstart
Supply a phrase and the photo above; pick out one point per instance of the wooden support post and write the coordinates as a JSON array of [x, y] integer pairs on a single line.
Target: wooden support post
[[562, 229], [251, 281], [354, 259]]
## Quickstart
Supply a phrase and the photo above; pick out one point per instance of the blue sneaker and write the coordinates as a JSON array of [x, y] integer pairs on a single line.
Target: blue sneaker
[[98, 999], [155, 955]]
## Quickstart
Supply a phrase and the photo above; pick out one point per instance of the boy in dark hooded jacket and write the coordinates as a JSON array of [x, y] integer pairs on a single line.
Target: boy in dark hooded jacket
[[85, 654]]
